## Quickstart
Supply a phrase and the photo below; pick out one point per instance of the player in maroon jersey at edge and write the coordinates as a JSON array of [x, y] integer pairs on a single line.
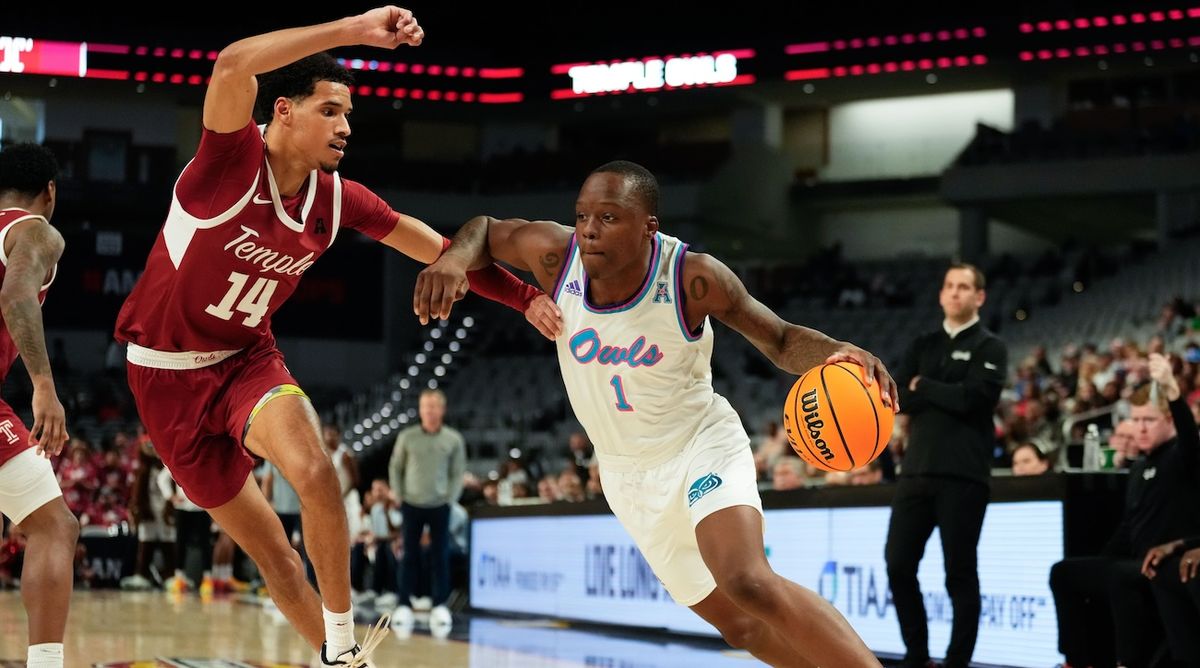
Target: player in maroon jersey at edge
[[250, 214], [29, 492]]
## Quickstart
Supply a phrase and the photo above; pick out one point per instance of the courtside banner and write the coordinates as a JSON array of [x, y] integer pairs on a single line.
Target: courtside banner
[[585, 567]]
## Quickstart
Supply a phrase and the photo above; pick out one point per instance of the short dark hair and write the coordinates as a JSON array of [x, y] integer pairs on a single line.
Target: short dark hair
[[645, 186], [27, 168], [297, 81], [1037, 451], [980, 281]]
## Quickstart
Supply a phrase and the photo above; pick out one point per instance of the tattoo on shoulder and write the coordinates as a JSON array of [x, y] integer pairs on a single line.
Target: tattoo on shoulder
[[698, 288], [550, 264]]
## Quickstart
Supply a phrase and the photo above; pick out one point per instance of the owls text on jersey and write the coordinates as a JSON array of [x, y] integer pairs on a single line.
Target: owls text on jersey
[[639, 381]]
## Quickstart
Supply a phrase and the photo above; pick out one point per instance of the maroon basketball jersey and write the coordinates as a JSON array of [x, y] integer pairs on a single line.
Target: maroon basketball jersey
[[233, 249], [8, 349]]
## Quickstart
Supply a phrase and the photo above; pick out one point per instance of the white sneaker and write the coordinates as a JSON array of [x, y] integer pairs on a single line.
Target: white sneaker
[[344, 660], [402, 622], [440, 622], [422, 603], [136, 583], [386, 601], [359, 656]]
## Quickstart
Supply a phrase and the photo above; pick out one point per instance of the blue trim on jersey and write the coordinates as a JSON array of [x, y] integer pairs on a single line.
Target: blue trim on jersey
[[562, 273], [679, 295], [656, 255]]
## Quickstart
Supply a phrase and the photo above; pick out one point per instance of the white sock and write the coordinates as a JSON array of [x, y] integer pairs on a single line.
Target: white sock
[[339, 630], [46, 655]]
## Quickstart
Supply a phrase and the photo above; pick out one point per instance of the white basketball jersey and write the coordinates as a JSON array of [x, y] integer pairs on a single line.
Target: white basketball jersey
[[639, 382]]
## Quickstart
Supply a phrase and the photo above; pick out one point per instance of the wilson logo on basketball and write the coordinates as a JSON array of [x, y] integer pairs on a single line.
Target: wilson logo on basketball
[[812, 420], [834, 421]]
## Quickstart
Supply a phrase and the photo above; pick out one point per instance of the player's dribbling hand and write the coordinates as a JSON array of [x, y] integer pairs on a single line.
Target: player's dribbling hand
[[49, 432], [545, 315], [438, 286], [874, 369], [389, 27]]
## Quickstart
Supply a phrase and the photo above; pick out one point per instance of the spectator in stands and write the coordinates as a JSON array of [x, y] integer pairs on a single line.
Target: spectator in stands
[[1068, 370], [1041, 430], [772, 445], [115, 475], [1122, 440], [594, 489], [151, 514], [346, 469], [12, 557], [426, 470], [788, 474], [1105, 372], [569, 486], [1028, 459], [548, 490], [950, 383], [581, 453], [1041, 362], [193, 534], [472, 490], [1106, 596], [77, 477], [871, 474], [491, 492], [286, 503], [108, 510], [372, 548]]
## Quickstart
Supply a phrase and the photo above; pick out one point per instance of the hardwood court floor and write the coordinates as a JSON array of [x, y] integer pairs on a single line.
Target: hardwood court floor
[[131, 630]]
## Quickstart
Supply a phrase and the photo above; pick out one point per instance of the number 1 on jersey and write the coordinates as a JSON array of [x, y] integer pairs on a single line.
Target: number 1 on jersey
[[254, 304], [622, 404]]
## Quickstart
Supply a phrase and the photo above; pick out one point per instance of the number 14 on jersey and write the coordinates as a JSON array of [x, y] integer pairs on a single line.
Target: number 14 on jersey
[[254, 303]]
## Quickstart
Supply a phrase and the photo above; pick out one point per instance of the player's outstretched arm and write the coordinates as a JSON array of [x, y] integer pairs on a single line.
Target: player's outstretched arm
[[36, 247], [535, 246], [711, 288], [229, 101]]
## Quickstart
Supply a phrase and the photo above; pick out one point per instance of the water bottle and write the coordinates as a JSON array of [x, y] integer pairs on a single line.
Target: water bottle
[[1091, 448]]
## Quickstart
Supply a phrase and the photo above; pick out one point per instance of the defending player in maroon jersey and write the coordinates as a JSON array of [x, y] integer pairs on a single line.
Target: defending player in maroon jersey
[[29, 492], [249, 215]]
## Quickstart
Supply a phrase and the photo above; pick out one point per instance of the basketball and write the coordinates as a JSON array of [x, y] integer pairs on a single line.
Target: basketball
[[834, 420]]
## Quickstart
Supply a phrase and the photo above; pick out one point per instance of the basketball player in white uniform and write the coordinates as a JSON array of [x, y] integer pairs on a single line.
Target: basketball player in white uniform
[[675, 462]]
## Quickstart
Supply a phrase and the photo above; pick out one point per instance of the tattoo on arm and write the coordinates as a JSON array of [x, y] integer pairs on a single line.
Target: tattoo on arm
[[27, 267], [550, 264], [698, 289]]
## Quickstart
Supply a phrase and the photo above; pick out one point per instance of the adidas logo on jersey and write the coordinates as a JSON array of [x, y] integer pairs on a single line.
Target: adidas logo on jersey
[[574, 289]]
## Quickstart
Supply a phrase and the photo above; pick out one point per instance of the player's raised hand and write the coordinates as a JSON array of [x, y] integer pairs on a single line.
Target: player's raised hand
[[438, 286], [389, 27]]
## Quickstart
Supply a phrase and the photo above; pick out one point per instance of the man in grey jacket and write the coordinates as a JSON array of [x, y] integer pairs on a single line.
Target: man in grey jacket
[[426, 470]]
